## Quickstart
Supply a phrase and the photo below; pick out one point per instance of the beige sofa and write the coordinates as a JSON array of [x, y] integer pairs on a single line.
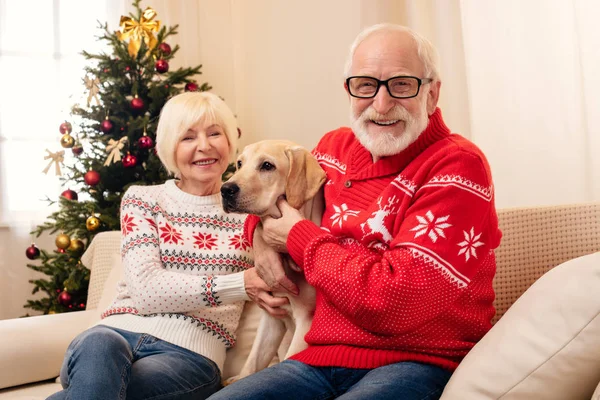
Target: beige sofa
[[534, 241]]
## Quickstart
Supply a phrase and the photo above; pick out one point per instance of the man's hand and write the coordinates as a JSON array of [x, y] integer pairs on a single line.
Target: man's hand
[[267, 262], [276, 231], [259, 292]]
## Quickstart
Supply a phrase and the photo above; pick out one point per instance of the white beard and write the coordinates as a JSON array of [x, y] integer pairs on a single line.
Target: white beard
[[389, 142]]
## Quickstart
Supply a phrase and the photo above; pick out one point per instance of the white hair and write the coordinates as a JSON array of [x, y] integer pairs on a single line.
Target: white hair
[[426, 52], [182, 112]]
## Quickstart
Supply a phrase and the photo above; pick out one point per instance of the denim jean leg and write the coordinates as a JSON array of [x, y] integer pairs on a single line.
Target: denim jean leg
[[96, 366], [164, 371], [287, 380], [404, 380]]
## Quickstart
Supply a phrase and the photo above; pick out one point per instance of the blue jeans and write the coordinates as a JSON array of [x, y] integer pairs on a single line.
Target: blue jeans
[[295, 380], [108, 363]]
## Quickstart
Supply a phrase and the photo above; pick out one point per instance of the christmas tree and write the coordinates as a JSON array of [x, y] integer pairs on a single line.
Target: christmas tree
[[112, 144]]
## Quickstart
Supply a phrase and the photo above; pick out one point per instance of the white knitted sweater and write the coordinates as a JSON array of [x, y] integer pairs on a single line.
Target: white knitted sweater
[[184, 260]]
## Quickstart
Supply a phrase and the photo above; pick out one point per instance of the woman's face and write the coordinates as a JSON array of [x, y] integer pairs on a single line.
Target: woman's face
[[202, 156]]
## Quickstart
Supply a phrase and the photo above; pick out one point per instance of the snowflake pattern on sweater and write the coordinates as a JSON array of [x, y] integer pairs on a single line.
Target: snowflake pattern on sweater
[[403, 263], [183, 259]]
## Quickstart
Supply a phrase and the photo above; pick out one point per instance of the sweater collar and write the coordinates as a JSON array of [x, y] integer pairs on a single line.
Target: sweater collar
[[173, 191], [362, 166]]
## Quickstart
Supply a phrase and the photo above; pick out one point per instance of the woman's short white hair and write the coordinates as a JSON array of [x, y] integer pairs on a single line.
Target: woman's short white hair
[[425, 50], [182, 112]]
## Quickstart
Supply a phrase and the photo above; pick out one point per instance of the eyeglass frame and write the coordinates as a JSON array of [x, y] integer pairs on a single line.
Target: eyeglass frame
[[420, 82]]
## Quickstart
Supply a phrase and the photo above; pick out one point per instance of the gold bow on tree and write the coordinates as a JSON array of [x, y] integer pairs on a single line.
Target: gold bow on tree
[[92, 86], [57, 158], [140, 30], [114, 150]]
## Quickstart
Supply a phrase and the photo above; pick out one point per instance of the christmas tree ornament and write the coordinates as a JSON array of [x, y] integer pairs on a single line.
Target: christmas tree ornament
[[92, 177], [64, 298], [51, 312], [161, 66], [70, 285], [67, 141], [77, 149], [145, 142], [129, 161], [106, 126], [62, 251], [191, 87], [92, 223], [137, 104], [69, 194], [136, 31], [113, 148], [93, 86], [76, 246], [82, 305], [58, 158], [165, 48], [32, 252], [65, 127], [62, 241]]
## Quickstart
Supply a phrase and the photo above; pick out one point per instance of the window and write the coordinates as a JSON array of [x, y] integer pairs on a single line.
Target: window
[[41, 72]]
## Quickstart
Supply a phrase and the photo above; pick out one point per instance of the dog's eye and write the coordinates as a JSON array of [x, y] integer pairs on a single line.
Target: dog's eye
[[267, 166], [239, 164]]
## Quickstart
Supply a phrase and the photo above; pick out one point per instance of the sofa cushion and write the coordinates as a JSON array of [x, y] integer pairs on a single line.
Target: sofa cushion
[[547, 346], [109, 292]]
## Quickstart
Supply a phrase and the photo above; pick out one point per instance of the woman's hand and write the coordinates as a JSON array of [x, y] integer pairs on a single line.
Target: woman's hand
[[259, 292]]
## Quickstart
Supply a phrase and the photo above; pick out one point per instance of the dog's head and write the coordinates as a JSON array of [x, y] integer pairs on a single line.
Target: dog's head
[[270, 169]]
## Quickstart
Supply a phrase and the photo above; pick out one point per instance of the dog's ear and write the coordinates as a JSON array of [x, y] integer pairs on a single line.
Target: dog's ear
[[305, 176]]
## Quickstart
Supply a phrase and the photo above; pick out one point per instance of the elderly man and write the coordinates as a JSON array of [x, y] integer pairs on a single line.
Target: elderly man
[[404, 260]]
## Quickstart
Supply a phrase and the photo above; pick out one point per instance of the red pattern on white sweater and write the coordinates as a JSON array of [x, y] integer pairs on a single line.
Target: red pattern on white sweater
[[404, 262], [183, 264]]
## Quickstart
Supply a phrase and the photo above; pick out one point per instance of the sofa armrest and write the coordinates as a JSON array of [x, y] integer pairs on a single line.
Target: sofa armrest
[[32, 349]]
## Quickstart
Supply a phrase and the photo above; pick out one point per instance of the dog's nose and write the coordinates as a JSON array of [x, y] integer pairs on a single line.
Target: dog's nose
[[229, 191]]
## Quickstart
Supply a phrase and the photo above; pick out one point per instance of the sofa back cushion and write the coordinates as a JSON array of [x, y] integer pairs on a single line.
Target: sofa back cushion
[[536, 239], [99, 258]]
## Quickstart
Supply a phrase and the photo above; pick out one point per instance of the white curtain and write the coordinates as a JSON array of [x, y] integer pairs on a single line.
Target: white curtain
[[532, 73]]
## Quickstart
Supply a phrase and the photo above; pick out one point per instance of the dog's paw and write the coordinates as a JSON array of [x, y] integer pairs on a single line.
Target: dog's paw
[[229, 381]]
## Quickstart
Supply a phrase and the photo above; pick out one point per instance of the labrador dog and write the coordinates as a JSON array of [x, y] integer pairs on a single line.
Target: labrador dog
[[266, 171]]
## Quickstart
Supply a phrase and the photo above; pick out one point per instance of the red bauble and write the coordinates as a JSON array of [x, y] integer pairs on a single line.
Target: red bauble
[[65, 127], [69, 194], [165, 48], [106, 126], [61, 250], [129, 161], [77, 149], [145, 142], [161, 66], [92, 178], [137, 104], [65, 298], [32, 252], [191, 87]]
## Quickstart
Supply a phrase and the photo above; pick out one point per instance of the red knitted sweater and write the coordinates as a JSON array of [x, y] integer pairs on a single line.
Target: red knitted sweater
[[403, 263]]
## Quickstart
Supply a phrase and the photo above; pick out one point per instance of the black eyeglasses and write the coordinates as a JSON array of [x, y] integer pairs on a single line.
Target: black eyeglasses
[[399, 87]]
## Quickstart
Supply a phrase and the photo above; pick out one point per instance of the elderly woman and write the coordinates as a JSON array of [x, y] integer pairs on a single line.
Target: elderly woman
[[187, 272]]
